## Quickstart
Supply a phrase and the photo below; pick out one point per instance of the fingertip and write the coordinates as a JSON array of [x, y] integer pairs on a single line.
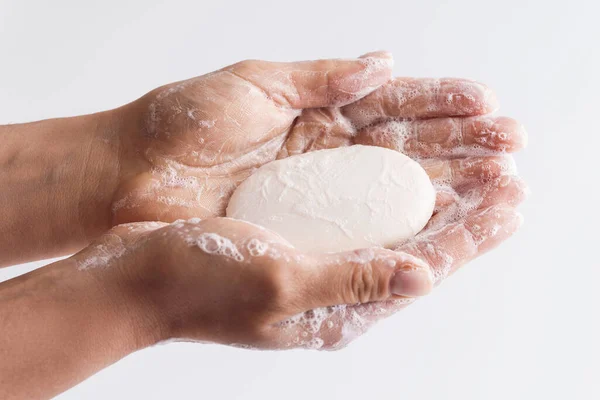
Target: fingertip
[[370, 274], [358, 78], [510, 132], [510, 190], [522, 187], [338, 82], [411, 280], [508, 165], [470, 97], [411, 277], [490, 100], [493, 225], [485, 98], [378, 66], [515, 223]]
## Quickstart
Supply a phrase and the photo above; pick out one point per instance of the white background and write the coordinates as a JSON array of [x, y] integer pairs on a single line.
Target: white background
[[521, 322]]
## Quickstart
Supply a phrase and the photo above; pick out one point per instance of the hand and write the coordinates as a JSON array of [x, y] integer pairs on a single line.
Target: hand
[[177, 152], [216, 280], [231, 282], [186, 146]]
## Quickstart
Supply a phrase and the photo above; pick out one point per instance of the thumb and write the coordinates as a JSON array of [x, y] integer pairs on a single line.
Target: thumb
[[363, 276], [320, 83]]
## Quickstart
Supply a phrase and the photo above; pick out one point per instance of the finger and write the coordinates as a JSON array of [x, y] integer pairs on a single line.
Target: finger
[[452, 206], [414, 98], [461, 172], [331, 328], [454, 245], [447, 249], [508, 190], [357, 319], [361, 276], [321, 83], [446, 205], [317, 129], [445, 197], [447, 136]]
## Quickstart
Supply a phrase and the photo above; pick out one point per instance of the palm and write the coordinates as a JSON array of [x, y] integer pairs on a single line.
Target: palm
[[196, 140]]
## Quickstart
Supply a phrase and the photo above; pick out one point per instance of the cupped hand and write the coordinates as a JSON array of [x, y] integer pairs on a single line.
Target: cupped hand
[[186, 146], [226, 281]]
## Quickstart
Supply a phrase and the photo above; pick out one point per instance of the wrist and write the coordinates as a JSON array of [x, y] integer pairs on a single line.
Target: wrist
[[120, 270], [133, 321], [57, 178], [69, 326], [101, 170]]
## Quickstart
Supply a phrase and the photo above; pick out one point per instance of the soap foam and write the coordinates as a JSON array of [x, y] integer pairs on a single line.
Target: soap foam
[[212, 243]]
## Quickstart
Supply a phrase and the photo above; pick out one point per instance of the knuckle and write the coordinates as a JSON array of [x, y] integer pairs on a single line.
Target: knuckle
[[324, 65], [425, 251], [275, 285], [365, 284]]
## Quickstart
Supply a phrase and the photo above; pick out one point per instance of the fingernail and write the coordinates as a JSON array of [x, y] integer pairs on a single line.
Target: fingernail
[[411, 281]]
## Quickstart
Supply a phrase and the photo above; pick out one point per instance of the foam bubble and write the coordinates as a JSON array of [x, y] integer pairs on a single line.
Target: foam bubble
[[103, 254], [257, 248], [212, 243]]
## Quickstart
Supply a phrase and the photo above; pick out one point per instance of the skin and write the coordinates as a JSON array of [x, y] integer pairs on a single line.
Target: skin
[[179, 152]]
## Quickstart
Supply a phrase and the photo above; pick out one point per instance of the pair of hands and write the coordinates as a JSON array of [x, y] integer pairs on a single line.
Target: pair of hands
[[183, 148]]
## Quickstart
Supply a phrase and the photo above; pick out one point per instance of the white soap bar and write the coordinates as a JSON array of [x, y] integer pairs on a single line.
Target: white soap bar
[[338, 199]]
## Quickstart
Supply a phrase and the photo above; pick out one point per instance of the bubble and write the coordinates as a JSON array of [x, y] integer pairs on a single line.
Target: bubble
[[103, 254], [257, 248], [314, 343], [211, 243]]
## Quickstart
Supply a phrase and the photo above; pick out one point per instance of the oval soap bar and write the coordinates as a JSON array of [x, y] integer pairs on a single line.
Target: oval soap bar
[[338, 199]]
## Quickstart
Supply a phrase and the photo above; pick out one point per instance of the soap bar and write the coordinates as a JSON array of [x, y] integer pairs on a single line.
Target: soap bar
[[338, 199]]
